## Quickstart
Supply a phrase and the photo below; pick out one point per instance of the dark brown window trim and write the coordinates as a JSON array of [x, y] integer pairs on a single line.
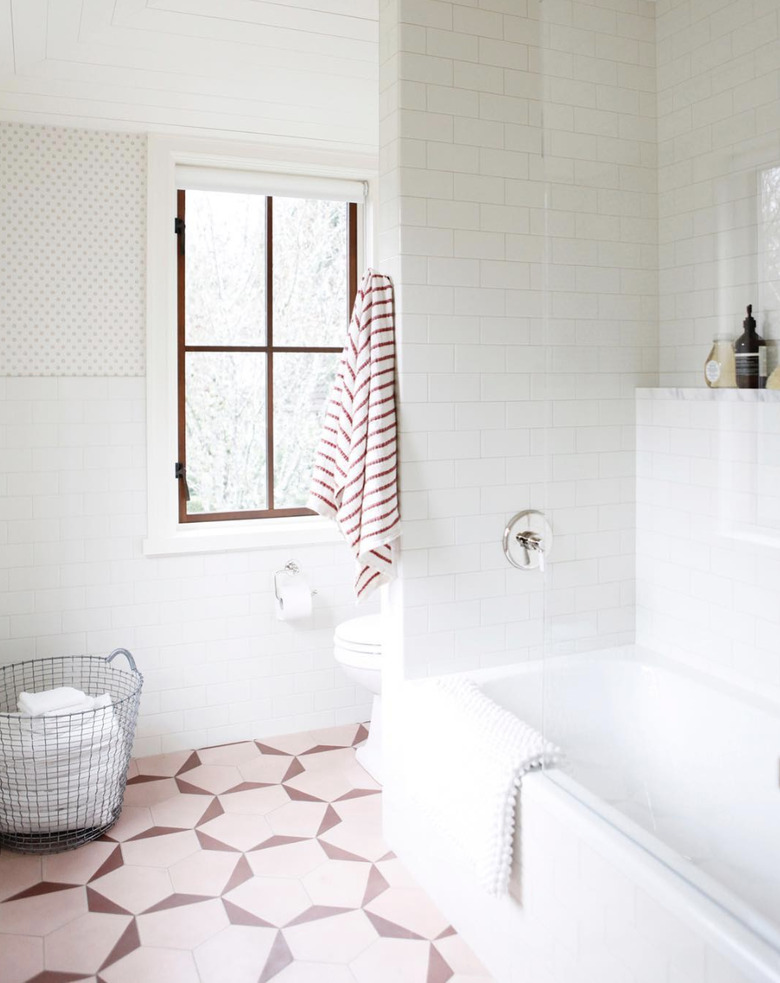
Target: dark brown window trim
[[268, 349]]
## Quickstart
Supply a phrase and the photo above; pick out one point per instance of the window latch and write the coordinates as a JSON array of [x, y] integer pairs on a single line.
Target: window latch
[[178, 228], [180, 474]]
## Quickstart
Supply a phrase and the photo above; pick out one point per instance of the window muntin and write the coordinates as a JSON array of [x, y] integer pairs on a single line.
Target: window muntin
[[251, 398]]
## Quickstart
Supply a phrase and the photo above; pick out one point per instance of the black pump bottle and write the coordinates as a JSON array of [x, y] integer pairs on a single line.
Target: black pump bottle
[[750, 355]]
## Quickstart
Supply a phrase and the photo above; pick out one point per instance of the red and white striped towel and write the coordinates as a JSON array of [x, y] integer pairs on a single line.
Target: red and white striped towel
[[355, 472]]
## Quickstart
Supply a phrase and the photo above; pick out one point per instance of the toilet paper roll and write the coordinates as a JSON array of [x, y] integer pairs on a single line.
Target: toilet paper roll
[[294, 600]]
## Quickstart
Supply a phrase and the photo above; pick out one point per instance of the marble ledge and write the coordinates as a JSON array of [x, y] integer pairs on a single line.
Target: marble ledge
[[703, 394]]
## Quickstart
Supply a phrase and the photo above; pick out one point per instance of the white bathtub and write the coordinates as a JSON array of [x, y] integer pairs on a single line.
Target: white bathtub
[[678, 764], [673, 779]]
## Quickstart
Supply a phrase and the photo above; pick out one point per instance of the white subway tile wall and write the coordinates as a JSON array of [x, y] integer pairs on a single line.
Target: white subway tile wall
[[484, 346], [718, 120], [218, 665], [708, 530]]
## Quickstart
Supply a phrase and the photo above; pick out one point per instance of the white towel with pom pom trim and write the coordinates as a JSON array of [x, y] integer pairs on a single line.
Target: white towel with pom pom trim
[[464, 759]]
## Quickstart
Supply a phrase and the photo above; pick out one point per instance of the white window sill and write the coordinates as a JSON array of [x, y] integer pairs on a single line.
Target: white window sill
[[244, 534]]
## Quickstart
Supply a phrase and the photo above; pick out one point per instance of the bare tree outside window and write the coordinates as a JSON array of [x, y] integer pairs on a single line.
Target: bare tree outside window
[[265, 287]]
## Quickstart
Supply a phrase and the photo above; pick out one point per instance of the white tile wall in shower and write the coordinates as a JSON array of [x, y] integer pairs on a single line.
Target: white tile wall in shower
[[708, 530], [483, 344], [718, 119], [218, 665]]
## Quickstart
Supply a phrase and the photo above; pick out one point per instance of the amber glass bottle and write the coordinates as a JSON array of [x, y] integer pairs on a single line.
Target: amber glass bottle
[[750, 355]]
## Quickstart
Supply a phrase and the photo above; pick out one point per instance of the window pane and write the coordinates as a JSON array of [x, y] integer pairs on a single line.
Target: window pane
[[302, 384], [310, 272], [225, 268], [226, 431]]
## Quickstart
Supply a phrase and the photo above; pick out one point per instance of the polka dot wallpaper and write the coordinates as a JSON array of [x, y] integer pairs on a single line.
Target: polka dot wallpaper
[[72, 251]]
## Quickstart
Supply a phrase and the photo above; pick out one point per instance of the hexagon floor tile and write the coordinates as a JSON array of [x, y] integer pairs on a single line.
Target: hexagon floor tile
[[260, 862]]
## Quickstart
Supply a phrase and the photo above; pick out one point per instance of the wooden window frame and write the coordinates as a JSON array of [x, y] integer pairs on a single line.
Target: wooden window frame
[[269, 350]]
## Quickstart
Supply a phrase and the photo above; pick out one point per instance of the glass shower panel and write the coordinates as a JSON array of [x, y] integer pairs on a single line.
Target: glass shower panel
[[661, 674]]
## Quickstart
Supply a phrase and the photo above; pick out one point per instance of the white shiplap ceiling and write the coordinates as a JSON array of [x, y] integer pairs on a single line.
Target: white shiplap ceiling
[[293, 71]]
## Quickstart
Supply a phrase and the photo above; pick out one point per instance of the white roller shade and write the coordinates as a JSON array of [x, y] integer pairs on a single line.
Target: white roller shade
[[193, 178]]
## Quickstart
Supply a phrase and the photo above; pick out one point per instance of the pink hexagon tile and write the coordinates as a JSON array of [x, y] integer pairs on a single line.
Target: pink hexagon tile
[[245, 949], [21, 958], [289, 859], [153, 965], [240, 831], [337, 939], [211, 778], [341, 884], [83, 945], [258, 862], [134, 889], [160, 851], [76, 866], [232, 755], [265, 769], [297, 819], [275, 900], [18, 873], [184, 926]]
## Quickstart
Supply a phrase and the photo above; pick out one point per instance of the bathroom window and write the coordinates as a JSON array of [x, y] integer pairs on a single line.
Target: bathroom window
[[265, 288]]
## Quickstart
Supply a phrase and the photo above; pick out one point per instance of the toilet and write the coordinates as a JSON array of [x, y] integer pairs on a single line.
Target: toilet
[[357, 647]]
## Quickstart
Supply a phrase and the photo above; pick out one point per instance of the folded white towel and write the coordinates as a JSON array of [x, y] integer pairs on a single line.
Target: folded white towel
[[87, 704], [464, 758], [59, 702], [51, 700]]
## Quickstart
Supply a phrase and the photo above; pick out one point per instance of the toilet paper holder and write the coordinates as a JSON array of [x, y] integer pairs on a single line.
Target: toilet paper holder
[[290, 567]]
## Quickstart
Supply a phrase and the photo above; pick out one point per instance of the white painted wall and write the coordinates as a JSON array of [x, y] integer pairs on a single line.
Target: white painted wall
[[217, 663]]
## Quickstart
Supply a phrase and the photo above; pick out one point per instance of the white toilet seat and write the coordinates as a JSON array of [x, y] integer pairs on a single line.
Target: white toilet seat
[[360, 634], [359, 660]]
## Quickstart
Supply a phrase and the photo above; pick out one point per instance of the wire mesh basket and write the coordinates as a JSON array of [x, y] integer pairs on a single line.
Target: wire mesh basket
[[62, 778]]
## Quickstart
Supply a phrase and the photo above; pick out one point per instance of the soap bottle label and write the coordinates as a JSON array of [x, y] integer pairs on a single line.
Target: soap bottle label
[[747, 370], [712, 370]]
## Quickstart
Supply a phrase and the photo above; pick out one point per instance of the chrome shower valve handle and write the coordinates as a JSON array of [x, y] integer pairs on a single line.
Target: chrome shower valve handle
[[527, 540], [531, 542]]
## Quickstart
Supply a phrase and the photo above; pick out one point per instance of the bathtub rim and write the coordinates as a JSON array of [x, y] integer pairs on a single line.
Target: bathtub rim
[[761, 697]]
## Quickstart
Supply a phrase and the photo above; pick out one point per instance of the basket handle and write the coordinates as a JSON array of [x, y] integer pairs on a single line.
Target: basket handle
[[126, 654]]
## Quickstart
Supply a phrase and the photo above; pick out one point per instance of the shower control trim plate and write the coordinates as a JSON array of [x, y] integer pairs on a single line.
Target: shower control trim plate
[[527, 540]]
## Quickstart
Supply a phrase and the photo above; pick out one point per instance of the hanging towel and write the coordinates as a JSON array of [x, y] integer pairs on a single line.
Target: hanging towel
[[355, 472], [463, 758]]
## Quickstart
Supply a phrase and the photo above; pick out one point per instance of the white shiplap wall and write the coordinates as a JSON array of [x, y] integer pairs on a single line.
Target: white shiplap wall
[[299, 72]]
